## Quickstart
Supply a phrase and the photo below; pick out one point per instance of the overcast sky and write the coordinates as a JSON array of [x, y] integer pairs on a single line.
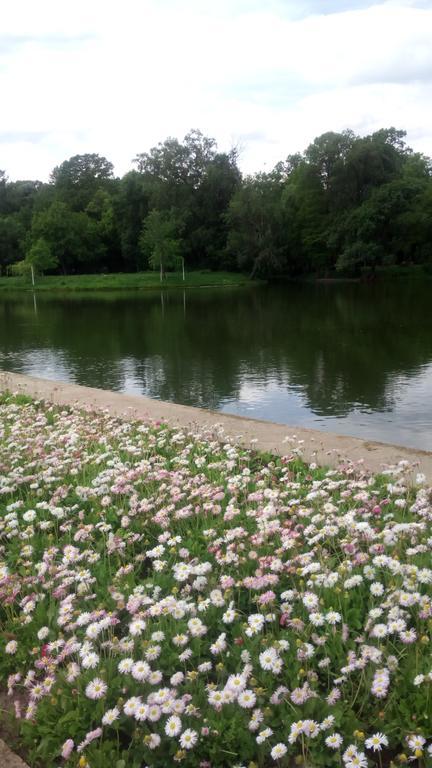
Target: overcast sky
[[267, 75]]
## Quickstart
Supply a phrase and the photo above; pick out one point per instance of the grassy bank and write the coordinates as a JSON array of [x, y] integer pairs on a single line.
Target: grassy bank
[[167, 597], [407, 273], [134, 280]]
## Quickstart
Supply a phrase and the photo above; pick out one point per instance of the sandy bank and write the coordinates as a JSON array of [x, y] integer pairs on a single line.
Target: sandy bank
[[322, 447]]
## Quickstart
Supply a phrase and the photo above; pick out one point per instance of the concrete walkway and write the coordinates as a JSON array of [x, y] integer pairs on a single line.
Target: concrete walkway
[[9, 759], [322, 447]]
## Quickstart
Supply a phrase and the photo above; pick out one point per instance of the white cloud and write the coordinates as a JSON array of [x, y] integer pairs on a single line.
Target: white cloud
[[117, 78]]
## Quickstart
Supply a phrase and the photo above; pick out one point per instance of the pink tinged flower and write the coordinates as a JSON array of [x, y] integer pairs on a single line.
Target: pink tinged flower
[[67, 749], [357, 761], [137, 627], [267, 658], [236, 683], [125, 666], [90, 660], [110, 716], [310, 728], [380, 683], [246, 699], [279, 694], [226, 582], [153, 713], [278, 751], [333, 617], [155, 677], [333, 696], [266, 597], [334, 741], [299, 696], [416, 742], [377, 742], [408, 636], [96, 689], [131, 705], [141, 712], [263, 735], [173, 726], [177, 678], [188, 739], [90, 736], [154, 741], [73, 671], [11, 647], [31, 711], [140, 670]]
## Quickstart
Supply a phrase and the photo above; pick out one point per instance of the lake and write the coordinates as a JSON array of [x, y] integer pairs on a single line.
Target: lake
[[352, 358]]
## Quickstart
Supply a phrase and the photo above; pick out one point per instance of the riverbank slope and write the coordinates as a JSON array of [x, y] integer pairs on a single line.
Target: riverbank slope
[[324, 448]]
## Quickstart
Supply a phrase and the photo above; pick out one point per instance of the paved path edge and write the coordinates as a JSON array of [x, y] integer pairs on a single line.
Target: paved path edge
[[324, 448], [9, 759]]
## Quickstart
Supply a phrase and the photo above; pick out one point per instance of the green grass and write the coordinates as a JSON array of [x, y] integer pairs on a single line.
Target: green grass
[[136, 280]]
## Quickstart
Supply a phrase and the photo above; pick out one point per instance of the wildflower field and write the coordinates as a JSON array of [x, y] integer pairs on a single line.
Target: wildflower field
[[170, 598]]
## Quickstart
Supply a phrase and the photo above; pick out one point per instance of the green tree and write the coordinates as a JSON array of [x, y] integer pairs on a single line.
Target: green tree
[[305, 201], [380, 231], [38, 260], [77, 180], [207, 226], [73, 238], [160, 242], [131, 206], [327, 152], [101, 212], [178, 163], [259, 233], [11, 241], [195, 183], [40, 256]]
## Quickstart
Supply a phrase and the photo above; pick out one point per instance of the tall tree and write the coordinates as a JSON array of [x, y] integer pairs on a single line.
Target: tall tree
[[160, 242], [131, 206], [259, 234], [72, 237], [78, 179]]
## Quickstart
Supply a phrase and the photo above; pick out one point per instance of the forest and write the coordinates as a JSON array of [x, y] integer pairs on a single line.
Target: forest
[[345, 206]]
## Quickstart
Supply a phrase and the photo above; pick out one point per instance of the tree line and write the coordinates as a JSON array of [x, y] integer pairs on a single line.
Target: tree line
[[346, 204]]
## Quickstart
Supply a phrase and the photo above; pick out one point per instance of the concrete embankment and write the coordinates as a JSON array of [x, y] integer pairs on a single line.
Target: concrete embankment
[[9, 759], [325, 448]]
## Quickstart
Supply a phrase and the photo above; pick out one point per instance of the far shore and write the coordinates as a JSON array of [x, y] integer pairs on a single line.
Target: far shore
[[127, 281], [146, 281]]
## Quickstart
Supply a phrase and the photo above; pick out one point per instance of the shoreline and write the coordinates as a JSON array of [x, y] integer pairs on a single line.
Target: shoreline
[[131, 281], [324, 448]]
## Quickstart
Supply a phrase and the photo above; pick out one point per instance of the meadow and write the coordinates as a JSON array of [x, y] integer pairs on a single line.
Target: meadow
[[169, 597]]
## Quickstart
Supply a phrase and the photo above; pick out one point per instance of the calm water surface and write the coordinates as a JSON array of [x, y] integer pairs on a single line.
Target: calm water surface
[[351, 358]]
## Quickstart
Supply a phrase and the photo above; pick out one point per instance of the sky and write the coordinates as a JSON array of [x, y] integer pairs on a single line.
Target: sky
[[266, 76]]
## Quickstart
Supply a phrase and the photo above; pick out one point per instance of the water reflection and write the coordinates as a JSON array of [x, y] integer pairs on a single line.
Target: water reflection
[[352, 358]]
